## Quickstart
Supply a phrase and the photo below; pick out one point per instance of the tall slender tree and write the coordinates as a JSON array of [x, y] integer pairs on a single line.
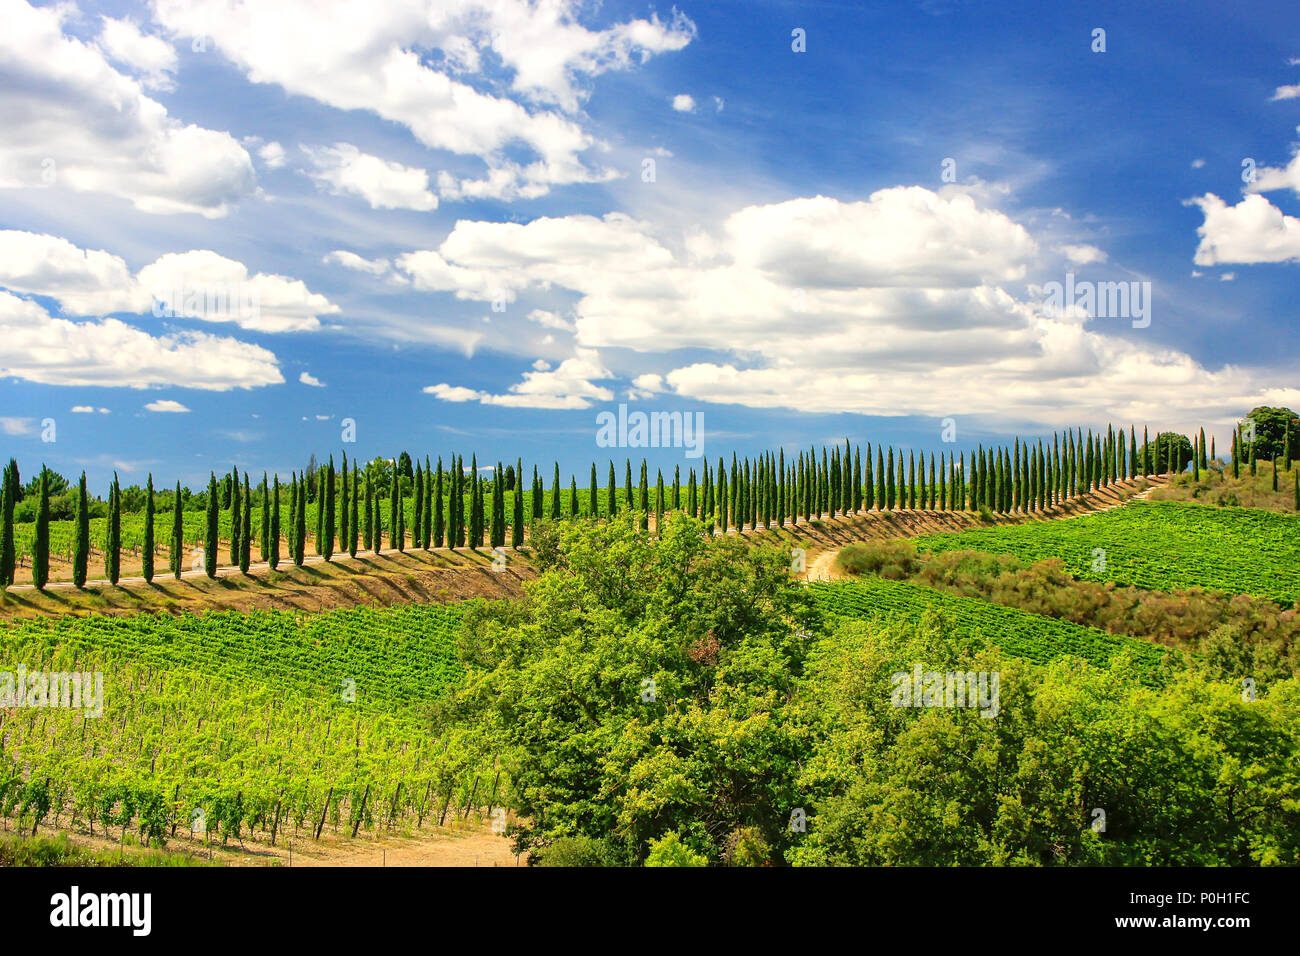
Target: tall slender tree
[[235, 512], [8, 500], [211, 528], [246, 537], [147, 550], [177, 557], [517, 500], [113, 555], [273, 536], [81, 552], [41, 542]]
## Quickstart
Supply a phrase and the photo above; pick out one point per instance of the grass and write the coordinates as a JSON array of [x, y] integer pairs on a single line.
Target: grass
[[1159, 546], [1016, 632]]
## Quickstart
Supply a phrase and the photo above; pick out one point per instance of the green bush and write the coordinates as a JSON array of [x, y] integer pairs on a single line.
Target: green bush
[[576, 851], [671, 851]]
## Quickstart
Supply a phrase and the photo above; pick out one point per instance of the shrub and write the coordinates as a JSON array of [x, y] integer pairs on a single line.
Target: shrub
[[576, 851], [671, 851]]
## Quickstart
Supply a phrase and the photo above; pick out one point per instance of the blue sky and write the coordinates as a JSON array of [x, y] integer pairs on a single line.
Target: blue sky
[[441, 214]]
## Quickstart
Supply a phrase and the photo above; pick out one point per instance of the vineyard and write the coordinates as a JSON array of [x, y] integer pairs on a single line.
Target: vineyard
[[1159, 546], [253, 723], [1018, 633]]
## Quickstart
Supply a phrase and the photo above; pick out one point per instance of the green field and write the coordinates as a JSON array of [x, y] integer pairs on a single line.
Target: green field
[[1016, 632], [1158, 546], [267, 720]]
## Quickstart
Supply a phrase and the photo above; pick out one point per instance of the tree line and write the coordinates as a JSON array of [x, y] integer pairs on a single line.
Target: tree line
[[351, 508]]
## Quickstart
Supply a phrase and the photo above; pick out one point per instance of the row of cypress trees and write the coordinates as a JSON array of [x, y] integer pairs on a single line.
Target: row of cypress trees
[[455, 506]]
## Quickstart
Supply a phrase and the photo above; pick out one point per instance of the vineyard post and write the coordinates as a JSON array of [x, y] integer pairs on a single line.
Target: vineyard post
[[356, 824], [470, 801], [321, 824]]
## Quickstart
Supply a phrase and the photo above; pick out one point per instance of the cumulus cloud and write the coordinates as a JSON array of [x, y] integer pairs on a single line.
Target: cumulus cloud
[[1287, 92], [684, 103], [166, 405], [892, 305], [150, 58], [73, 120], [381, 64], [14, 426], [570, 385], [272, 155], [306, 378], [1082, 254], [1252, 231], [350, 260], [196, 284], [343, 168], [41, 348]]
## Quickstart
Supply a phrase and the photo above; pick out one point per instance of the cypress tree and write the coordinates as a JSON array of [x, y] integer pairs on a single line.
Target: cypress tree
[[1275, 460], [517, 525], [81, 553], [41, 544], [677, 488], [235, 512], [721, 504], [345, 506], [368, 519], [499, 507], [178, 535], [273, 536], [692, 495], [593, 495], [1296, 475], [911, 480], [210, 544], [394, 503], [573, 496], [417, 525], [300, 524], [611, 493], [440, 519], [659, 505], [781, 488], [147, 550], [902, 478], [8, 498], [330, 500], [555, 493], [889, 481], [265, 530], [246, 539], [1196, 462], [1236, 456], [354, 506], [628, 500], [645, 497], [113, 557]]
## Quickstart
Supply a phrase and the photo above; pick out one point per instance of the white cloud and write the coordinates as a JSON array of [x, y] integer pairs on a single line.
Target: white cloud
[[550, 320], [41, 348], [166, 405], [197, 284], [718, 104], [272, 155], [1227, 277], [83, 409], [1287, 92], [684, 103], [204, 285], [889, 306], [86, 282], [570, 385], [452, 393], [17, 426], [1198, 163], [1269, 178], [350, 260], [383, 184], [353, 60], [1252, 231], [306, 378], [74, 121], [1082, 254], [151, 59]]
